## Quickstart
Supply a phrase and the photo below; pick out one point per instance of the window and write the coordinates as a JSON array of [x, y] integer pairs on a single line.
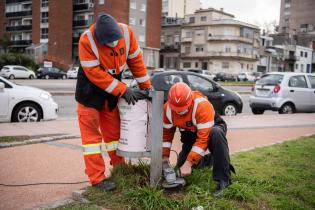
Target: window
[[298, 81], [312, 81], [133, 5], [203, 18], [196, 64], [302, 67], [141, 22], [172, 79], [225, 65], [44, 3], [101, 2], [199, 49], [296, 66], [132, 21], [187, 49], [242, 65], [143, 7], [305, 54], [301, 53], [187, 65], [198, 83], [188, 34], [44, 33], [270, 79], [227, 49], [191, 19], [44, 17]]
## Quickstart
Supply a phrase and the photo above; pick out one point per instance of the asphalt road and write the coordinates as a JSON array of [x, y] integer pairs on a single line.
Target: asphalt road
[[67, 104]]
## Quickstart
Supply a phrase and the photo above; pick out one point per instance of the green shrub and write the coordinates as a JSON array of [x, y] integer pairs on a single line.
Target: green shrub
[[17, 59]]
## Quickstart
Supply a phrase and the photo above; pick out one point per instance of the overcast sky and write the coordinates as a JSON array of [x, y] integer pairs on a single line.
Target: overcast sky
[[252, 11]]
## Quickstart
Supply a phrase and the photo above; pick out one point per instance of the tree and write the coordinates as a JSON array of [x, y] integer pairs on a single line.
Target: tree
[[5, 43]]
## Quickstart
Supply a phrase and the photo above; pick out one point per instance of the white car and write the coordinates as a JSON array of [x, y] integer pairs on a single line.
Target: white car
[[246, 76], [284, 92], [20, 72], [72, 73], [25, 104]]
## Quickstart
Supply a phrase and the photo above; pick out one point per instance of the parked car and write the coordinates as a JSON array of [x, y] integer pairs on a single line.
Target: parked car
[[224, 101], [246, 76], [12, 72], [205, 73], [25, 104], [72, 73], [222, 76], [51, 72], [284, 92]]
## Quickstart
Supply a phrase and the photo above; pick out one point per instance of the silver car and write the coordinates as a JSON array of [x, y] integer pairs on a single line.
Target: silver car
[[284, 92]]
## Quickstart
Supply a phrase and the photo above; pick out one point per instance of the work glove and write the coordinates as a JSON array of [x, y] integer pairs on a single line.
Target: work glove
[[142, 94], [168, 172], [130, 96]]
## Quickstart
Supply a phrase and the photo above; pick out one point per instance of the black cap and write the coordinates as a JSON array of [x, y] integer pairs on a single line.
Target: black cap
[[107, 29]]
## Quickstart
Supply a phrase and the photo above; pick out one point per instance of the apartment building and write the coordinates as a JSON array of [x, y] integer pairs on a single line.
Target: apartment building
[[213, 40], [50, 30], [170, 43], [297, 16], [179, 8]]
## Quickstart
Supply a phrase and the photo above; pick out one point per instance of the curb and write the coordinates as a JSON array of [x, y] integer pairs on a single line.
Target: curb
[[39, 140]]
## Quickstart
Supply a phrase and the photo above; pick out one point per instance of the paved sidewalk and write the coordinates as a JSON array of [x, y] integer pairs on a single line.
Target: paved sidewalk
[[61, 161]]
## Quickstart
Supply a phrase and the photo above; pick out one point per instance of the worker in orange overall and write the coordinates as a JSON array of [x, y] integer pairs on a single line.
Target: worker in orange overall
[[106, 49]]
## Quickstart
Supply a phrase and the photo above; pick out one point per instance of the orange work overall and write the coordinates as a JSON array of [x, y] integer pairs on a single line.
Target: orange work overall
[[94, 126]]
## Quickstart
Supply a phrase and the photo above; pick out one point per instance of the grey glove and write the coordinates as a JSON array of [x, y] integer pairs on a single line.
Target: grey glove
[[168, 173], [130, 96]]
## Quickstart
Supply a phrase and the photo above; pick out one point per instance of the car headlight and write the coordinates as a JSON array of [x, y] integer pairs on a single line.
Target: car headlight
[[45, 95]]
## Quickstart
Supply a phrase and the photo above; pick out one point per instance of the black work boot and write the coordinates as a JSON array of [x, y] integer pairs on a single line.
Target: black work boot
[[220, 187], [105, 185]]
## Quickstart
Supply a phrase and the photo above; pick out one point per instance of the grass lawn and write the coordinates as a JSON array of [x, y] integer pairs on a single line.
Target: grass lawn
[[237, 83], [10, 139], [276, 177]]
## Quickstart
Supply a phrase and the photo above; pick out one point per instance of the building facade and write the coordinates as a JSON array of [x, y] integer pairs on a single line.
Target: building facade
[[170, 43], [179, 8], [297, 16], [50, 30], [212, 40]]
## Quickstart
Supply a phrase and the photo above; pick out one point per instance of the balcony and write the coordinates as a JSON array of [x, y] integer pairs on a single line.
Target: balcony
[[186, 39], [18, 14], [81, 7], [230, 38], [292, 58], [81, 23], [219, 54], [20, 43], [17, 1], [19, 28]]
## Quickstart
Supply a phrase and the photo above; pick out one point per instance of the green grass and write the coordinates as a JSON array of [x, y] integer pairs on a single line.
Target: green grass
[[10, 139], [237, 83], [276, 177]]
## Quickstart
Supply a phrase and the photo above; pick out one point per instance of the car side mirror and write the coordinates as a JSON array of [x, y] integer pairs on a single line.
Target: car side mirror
[[2, 86]]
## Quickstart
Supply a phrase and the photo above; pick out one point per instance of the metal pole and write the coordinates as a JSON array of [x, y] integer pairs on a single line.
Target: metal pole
[[156, 137]]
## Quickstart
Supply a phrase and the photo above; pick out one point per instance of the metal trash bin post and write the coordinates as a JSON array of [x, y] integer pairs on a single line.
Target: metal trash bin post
[[154, 149]]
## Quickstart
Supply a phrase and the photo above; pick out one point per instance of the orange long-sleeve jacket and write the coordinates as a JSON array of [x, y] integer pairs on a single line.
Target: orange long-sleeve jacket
[[100, 62], [200, 119]]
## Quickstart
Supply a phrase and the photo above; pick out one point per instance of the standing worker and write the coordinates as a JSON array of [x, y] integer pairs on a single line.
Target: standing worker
[[106, 49], [200, 129]]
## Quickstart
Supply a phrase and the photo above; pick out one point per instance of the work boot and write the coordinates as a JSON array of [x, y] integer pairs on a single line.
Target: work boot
[[220, 187], [105, 185]]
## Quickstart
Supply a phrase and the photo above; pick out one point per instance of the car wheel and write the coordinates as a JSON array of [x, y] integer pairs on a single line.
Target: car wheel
[[64, 77], [31, 76], [229, 110], [287, 108], [11, 76], [47, 76], [27, 112], [257, 111]]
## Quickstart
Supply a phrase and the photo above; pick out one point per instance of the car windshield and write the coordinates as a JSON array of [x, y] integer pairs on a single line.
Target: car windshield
[[270, 79]]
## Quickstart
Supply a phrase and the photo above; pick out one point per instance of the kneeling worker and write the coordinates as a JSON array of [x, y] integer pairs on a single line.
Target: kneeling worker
[[200, 129]]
